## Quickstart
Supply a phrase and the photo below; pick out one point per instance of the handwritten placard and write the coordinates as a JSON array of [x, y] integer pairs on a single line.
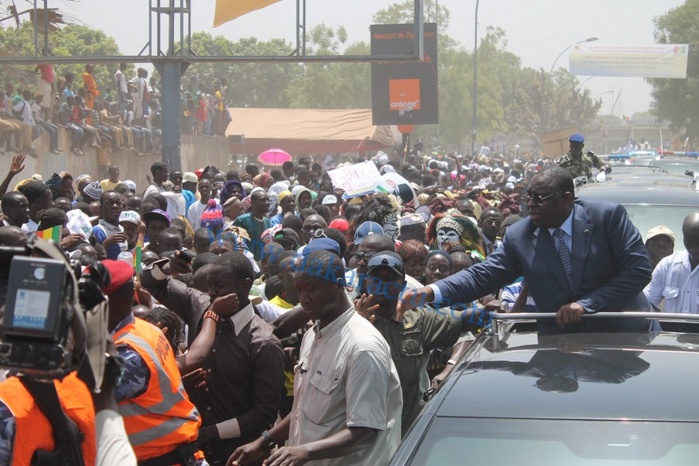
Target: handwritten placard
[[357, 179]]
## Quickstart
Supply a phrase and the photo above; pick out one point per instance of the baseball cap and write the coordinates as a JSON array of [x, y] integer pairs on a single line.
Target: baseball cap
[[387, 259], [329, 199], [130, 184], [576, 137], [130, 216], [660, 230], [189, 177], [287, 236], [339, 224], [366, 229], [157, 214]]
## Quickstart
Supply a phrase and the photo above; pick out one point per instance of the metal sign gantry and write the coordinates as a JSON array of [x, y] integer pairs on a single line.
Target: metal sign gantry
[[171, 19]]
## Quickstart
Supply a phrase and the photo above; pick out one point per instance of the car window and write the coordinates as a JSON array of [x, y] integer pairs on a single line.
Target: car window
[[646, 217], [497, 442]]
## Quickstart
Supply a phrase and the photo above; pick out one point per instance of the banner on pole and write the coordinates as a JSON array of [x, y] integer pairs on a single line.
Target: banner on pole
[[648, 61]]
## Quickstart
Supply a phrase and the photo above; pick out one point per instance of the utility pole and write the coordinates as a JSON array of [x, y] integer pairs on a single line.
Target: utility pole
[[171, 67]]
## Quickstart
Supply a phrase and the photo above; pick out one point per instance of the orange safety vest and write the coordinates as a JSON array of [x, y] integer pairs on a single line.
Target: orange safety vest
[[33, 429], [161, 418]]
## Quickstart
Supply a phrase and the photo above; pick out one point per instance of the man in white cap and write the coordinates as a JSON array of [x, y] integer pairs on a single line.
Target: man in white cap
[[132, 185], [675, 280], [189, 189], [331, 203], [660, 242], [129, 221]]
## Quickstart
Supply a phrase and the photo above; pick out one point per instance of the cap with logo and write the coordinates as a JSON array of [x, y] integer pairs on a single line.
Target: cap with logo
[[130, 216], [329, 200]]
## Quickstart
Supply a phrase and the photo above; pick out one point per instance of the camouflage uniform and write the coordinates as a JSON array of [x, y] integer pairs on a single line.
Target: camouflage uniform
[[581, 166]]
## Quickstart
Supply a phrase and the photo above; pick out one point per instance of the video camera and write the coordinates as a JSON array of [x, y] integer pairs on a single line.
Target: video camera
[[44, 333]]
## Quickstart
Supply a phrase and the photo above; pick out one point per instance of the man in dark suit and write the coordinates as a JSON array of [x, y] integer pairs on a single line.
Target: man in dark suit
[[576, 256]]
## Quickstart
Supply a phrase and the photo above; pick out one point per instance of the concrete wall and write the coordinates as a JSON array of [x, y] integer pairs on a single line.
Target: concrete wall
[[196, 152]]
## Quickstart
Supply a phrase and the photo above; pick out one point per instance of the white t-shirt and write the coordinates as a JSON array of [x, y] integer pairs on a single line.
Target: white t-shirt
[[194, 213]]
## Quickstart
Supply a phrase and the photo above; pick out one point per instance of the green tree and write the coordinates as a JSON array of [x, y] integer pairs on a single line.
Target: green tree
[[677, 99], [403, 12], [332, 84], [250, 84], [453, 65], [536, 103], [511, 101], [68, 41]]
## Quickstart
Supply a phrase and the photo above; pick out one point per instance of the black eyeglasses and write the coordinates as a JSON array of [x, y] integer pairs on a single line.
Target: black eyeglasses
[[366, 256], [536, 198]]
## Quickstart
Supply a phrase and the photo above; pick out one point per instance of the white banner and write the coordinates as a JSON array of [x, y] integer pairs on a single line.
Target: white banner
[[648, 61]]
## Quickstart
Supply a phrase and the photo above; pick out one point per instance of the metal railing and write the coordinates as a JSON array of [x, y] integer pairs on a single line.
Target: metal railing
[[497, 318]]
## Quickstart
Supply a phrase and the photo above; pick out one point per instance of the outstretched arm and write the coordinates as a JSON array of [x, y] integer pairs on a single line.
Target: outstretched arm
[[16, 166]]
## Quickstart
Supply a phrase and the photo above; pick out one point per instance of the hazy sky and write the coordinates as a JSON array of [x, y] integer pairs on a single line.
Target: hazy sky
[[536, 30]]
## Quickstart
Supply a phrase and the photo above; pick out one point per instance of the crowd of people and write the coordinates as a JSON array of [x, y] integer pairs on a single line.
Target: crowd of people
[[268, 315], [125, 115]]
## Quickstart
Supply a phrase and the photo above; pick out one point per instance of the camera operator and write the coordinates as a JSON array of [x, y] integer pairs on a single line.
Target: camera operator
[[56, 421], [161, 422]]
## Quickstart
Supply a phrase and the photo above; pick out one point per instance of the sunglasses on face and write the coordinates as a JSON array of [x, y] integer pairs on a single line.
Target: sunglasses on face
[[364, 256], [536, 198]]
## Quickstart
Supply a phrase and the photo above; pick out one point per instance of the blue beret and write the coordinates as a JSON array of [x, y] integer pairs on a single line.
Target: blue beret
[[577, 137]]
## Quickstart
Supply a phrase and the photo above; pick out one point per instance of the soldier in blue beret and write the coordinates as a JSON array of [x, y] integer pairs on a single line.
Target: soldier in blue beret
[[578, 163]]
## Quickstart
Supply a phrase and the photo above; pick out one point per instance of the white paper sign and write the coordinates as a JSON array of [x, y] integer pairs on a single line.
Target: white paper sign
[[357, 179], [78, 222]]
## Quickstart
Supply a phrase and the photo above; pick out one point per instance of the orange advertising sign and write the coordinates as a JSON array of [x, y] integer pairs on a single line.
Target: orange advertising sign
[[404, 94]]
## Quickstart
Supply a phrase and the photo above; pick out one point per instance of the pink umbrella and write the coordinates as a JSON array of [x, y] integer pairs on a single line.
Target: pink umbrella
[[274, 157]]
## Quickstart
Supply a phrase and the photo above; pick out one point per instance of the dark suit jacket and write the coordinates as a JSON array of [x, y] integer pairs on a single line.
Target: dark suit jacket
[[610, 268]]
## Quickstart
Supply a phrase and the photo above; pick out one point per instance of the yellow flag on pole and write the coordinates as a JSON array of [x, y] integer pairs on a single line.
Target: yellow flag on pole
[[228, 10]]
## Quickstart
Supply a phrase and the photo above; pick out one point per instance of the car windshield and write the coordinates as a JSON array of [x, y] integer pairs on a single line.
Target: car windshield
[[646, 217], [498, 442]]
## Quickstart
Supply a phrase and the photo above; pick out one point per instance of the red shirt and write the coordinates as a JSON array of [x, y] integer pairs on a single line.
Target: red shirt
[[75, 115], [46, 72]]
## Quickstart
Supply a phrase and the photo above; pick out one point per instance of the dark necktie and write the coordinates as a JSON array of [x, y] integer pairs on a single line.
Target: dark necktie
[[566, 257]]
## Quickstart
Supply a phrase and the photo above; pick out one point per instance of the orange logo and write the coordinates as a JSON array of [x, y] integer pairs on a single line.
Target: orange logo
[[404, 94]]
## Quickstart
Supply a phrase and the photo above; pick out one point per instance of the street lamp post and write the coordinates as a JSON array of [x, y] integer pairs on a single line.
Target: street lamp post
[[589, 39], [475, 82], [547, 81]]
